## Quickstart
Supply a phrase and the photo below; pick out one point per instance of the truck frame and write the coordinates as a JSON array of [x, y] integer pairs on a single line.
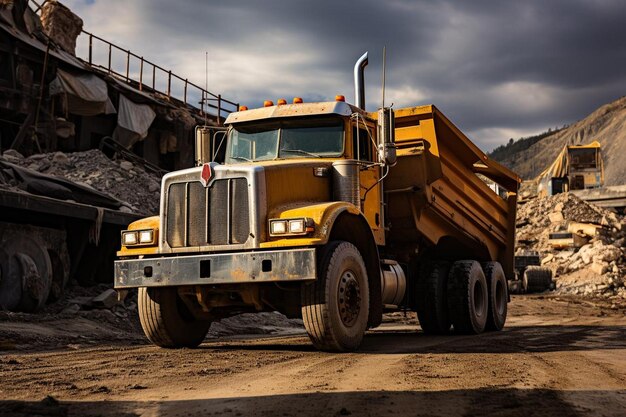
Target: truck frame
[[330, 213], [46, 242]]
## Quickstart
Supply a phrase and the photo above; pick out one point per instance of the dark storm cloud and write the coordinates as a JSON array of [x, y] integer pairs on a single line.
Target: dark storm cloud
[[496, 68]]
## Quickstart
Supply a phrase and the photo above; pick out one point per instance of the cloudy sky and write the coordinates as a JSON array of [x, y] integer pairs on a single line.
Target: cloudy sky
[[497, 69]]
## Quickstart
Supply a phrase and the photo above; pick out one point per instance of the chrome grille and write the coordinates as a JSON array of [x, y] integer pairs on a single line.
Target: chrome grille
[[215, 215]]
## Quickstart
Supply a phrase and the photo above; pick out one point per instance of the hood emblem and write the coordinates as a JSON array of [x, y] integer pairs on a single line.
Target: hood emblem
[[207, 174]]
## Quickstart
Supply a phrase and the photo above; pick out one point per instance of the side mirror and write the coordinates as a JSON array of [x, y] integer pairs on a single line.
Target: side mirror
[[210, 145], [387, 136], [203, 145]]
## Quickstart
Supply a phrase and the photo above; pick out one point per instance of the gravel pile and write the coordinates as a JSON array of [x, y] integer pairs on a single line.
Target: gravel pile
[[598, 267], [137, 189]]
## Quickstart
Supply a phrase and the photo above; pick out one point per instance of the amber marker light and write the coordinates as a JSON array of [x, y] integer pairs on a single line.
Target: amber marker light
[[243, 108], [339, 97], [281, 101], [268, 103], [297, 100]]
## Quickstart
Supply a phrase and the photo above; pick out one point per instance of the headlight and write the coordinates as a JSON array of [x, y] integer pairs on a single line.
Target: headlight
[[129, 238], [286, 227], [146, 236], [278, 227], [138, 237], [296, 226]]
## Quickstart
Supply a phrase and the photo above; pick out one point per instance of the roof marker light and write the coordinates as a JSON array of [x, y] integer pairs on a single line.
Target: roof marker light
[[297, 100], [243, 108], [268, 103], [281, 101], [339, 97]]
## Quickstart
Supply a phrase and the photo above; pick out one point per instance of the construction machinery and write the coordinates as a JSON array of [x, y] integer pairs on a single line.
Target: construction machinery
[[530, 276], [577, 167], [331, 213], [53, 231]]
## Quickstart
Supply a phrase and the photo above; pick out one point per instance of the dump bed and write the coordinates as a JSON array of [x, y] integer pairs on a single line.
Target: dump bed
[[435, 193]]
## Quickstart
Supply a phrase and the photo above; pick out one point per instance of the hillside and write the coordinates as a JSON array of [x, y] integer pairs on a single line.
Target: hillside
[[607, 125]]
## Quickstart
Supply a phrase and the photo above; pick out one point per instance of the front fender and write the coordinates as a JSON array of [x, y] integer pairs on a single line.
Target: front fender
[[323, 216], [141, 224]]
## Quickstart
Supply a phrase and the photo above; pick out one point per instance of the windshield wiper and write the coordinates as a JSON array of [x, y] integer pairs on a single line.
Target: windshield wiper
[[241, 158], [300, 151]]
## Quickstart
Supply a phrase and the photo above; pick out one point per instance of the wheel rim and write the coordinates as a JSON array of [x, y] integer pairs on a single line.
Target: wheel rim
[[349, 298]]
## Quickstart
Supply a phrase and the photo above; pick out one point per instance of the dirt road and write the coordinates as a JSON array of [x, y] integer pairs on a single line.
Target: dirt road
[[555, 357]]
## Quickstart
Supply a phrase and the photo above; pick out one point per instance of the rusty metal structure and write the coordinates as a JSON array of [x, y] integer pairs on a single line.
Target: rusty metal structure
[[47, 93], [54, 231]]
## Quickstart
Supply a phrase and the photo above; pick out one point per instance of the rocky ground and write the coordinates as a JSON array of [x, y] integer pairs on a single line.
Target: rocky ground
[[558, 355], [598, 267], [138, 189], [94, 315]]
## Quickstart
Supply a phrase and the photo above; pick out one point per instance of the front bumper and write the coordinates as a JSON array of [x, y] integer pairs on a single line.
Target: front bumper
[[225, 268]]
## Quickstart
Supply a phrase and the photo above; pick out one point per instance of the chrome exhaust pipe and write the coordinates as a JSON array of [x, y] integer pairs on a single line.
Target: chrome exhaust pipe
[[359, 81]]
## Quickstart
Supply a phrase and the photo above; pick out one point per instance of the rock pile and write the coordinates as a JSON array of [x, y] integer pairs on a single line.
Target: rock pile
[[137, 189], [598, 266]]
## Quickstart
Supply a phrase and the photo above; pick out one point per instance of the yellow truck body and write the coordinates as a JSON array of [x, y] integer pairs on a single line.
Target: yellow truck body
[[330, 213]]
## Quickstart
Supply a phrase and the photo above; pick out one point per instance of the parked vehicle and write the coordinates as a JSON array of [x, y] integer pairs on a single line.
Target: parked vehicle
[[47, 241], [330, 213]]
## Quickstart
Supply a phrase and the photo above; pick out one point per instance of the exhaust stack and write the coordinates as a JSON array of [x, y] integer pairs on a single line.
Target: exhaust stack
[[359, 81]]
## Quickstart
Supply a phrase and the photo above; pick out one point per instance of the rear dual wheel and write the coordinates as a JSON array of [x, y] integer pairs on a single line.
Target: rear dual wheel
[[478, 296], [498, 295], [468, 295], [468, 302], [432, 302]]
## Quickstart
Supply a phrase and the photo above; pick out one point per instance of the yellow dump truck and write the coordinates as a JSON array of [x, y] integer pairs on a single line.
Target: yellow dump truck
[[330, 213], [576, 167]]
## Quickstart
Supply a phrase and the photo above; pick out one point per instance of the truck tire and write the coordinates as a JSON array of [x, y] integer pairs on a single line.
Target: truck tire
[[335, 307], [166, 321], [498, 295], [467, 297], [26, 273], [537, 278], [432, 306]]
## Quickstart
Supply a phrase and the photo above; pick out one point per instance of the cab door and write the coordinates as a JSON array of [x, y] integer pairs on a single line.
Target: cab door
[[364, 150]]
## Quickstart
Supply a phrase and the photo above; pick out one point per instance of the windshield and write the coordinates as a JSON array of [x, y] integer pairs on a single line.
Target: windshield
[[287, 139]]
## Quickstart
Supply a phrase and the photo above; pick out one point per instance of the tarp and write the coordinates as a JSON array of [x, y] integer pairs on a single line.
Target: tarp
[[46, 185], [85, 94], [133, 122], [135, 117]]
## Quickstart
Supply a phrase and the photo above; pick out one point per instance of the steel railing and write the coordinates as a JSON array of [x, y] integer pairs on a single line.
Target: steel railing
[[206, 98], [206, 101]]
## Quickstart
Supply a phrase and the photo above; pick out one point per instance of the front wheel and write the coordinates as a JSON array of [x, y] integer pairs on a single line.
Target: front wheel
[[335, 307], [166, 321]]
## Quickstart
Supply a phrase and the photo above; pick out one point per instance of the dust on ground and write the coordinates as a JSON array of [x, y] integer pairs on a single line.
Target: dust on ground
[[558, 355]]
